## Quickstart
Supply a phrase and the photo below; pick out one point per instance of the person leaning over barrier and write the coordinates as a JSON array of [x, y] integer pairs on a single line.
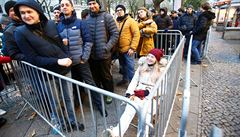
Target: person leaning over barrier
[[127, 44], [147, 29], [39, 41], [144, 79], [79, 45], [104, 32]]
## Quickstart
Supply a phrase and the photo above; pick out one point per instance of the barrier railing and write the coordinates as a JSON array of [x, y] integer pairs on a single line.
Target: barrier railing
[[50, 95], [168, 40], [43, 91], [206, 44], [163, 95], [186, 93]]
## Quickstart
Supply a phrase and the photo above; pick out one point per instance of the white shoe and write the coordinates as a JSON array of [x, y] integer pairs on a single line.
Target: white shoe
[[2, 112], [110, 132]]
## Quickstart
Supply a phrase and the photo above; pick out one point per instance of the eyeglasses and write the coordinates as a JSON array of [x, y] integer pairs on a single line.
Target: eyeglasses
[[118, 10]]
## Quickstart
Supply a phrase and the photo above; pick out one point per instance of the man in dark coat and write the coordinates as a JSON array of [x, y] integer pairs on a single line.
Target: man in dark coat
[[186, 23], [39, 41], [104, 32], [200, 30]]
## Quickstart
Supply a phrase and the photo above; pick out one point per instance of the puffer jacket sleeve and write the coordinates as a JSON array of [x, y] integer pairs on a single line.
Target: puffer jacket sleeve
[[113, 32], [87, 41], [136, 35], [150, 29]]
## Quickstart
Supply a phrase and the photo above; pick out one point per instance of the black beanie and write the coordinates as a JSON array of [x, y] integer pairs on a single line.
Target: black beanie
[[95, 1], [122, 7], [8, 5]]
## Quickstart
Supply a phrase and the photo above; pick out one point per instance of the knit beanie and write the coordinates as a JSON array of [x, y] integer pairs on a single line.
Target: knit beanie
[[122, 7], [158, 53], [143, 8], [95, 1], [8, 5]]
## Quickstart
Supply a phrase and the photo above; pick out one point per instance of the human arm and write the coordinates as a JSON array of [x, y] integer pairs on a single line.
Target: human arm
[[11, 46], [113, 32], [87, 41], [135, 39], [33, 52]]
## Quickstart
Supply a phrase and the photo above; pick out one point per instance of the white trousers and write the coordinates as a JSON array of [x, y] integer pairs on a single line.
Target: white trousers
[[129, 114]]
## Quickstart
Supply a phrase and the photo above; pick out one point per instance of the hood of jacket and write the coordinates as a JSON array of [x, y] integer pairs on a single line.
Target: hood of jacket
[[32, 4], [70, 19], [209, 15], [165, 11]]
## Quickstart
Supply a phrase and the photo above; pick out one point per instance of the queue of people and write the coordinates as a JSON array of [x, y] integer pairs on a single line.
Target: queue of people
[[81, 48]]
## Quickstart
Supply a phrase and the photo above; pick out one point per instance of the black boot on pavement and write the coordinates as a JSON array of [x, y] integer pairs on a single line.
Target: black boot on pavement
[[2, 122]]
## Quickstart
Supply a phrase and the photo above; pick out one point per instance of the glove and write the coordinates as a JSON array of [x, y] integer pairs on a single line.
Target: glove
[[166, 30], [127, 95], [141, 93]]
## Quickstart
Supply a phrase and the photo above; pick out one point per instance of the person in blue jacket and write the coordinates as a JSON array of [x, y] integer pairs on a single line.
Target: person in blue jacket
[[76, 37], [39, 41]]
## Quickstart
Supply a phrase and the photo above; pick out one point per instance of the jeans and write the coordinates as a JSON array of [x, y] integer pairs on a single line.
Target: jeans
[[81, 72], [66, 90], [101, 71], [196, 50], [127, 65]]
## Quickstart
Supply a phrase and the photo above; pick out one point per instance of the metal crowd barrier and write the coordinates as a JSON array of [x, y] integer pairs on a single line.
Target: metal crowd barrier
[[186, 94], [163, 95], [45, 92], [40, 88], [168, 40]]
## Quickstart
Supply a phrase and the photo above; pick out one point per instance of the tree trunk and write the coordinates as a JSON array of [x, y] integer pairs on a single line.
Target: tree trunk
[[156, 4]]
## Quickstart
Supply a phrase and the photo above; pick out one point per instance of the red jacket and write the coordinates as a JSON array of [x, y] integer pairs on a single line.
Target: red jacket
[[5, 59]]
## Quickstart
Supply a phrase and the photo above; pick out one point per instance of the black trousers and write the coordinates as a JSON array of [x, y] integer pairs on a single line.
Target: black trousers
[[81, 72], [101, 71]]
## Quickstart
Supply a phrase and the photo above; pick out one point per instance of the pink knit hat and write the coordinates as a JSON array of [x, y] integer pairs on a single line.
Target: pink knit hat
[[158, 53]]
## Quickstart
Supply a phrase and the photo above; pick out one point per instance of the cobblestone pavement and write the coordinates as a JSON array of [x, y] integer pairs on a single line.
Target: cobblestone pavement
[[220, 104]]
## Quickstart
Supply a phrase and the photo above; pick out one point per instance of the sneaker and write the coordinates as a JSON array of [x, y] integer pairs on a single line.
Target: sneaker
[[108, 100], [54, 131], [55, 124], [108, 133], [2, 112], [122, 82], [2, 121]]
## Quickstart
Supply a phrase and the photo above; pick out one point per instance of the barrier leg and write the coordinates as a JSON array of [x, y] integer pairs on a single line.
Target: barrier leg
[[21, 110]]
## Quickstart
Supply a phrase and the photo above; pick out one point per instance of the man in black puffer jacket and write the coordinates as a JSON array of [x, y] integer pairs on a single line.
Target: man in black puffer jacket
[[200, 30], [104, 32]]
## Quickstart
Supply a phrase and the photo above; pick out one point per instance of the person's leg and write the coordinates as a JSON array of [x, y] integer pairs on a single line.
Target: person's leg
[[195, 52], [129, 66], [85, 75], [125, 121], [106, 76], [95, 67], [124, 68]]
